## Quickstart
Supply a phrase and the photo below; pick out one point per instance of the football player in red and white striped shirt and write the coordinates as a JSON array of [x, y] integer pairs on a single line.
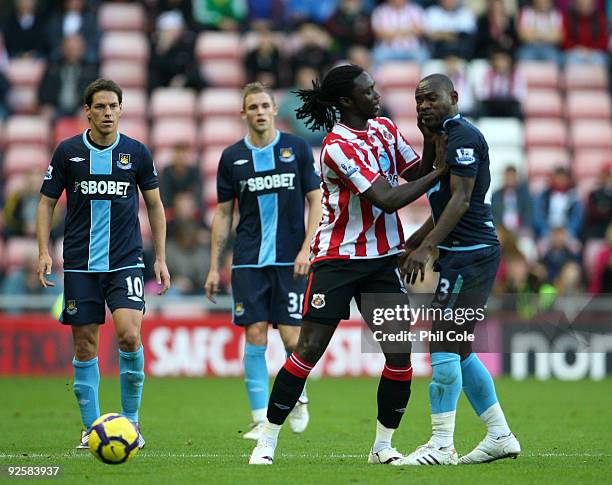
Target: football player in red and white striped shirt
[[355, 248]]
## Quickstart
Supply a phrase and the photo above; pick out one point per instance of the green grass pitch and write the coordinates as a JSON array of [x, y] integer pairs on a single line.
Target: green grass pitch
[[193, 426]]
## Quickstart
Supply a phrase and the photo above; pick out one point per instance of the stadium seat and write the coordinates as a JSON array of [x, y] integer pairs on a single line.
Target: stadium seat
[[398, 75], [121, 16], [218, 45], [25, 158], [135, 128], [209, 161], [173, 102], [542, 103], [67, 127], [220, 102], [545, 133], [592, 249], [168, 132], [408, 127], [590, 162], [591, 104], [502, 157], [26, 72], [502, 132], [540, 74], [124, 46], [543, 161], [27, 129], [210, 191], [433, 66], [221, 131], [585, 76], [127, 74], [23, 100], [401, 103], [135, 103], [223, 73], [17, 251], [476, 70], [591, 134]]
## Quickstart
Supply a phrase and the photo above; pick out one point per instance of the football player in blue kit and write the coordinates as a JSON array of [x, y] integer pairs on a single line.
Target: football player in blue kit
[[270, 174], [101, 171], [461, 228]]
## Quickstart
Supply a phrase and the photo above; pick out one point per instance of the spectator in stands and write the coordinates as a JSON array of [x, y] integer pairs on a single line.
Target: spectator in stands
[[73, 17], [503, 88], [512, 204], [350, 25], [187, 259], [540, 28], [455, 68], [599, 207], [61, 89], [23, 29], [495, 30], [270, 13], [183, 6], [558, 206], [180, 176], [187, 208], [286, 110], [561, 250], [173, 61], [398, 32], [315, 11], [219, 14], [313, 49], [585, 34], [451, 29], [570, 281], [23, 281], [601, 274], [265, 63]]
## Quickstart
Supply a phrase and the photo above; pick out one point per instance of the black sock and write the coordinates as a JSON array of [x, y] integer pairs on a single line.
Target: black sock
[[393, 396], [285, 393]]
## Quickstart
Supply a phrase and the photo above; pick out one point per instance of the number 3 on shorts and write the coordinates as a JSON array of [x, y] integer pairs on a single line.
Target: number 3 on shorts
[[134, 286], [296, 302]]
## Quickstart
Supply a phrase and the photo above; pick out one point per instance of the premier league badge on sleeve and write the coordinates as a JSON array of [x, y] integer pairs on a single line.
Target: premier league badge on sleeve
[[124, 162]]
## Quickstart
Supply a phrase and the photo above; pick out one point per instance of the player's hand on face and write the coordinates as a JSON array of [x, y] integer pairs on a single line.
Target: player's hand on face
[[45, 263], [162, 276], [415, 263], [428, 134], [301, 265], [441, 142], [211, 287]]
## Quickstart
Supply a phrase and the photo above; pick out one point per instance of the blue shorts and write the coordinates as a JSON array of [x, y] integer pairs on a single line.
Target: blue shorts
[[268, 294], [86, 293]]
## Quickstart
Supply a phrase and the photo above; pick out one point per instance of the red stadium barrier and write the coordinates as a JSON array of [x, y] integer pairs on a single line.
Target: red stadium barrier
[[35, 344]]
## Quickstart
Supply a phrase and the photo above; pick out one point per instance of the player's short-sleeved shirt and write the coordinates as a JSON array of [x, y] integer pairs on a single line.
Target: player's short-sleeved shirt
[[270, 184], [102, 232], [468, 156], [351, 160]]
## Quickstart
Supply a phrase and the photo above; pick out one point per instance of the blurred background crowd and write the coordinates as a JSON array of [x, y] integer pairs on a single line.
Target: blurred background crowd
[[533, 75]]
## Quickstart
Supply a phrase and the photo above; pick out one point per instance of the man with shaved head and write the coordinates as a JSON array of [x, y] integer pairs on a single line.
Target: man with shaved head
[[461, 229]]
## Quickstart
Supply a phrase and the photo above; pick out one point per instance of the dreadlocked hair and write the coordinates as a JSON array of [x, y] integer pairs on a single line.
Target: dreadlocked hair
[[319, 104]]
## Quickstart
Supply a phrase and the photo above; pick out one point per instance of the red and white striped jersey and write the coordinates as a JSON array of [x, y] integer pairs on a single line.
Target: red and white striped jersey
[[351, 160]]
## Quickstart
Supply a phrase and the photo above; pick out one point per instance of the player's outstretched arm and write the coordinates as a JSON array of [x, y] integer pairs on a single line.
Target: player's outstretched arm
[[302, 260], [157, 219], [221, 227], [461, 192], [44, 213]]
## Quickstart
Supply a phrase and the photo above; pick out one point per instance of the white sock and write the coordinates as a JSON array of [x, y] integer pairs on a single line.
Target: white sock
[[496, 421], [383, 437], [259, 415], [442, 429], [270, 432]]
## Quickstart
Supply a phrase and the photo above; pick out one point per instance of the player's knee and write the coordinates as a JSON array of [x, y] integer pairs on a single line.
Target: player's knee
[[310, 350], [256, 335], [129, 341], [85, 347]]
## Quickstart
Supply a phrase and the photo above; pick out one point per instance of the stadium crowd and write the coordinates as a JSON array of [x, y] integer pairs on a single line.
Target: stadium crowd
[[534, 75]]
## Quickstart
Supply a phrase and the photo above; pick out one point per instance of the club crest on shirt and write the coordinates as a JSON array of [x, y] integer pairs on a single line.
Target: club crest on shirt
[[286, 155], [387, 135], [124, 161], [239, 309], [71, 307], [318, 300]]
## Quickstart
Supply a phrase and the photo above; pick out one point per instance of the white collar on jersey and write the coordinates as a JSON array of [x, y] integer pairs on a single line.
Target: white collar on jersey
[[456, 117], [91, 147], [271, 144]]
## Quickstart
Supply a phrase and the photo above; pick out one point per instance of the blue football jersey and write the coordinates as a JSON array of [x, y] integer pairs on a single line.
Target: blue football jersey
[[270, 184], [102, 232], [467, 156]]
